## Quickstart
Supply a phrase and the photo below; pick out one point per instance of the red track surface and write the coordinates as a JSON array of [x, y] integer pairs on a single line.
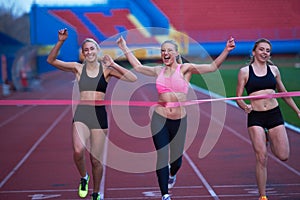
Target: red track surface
[[36, 155]]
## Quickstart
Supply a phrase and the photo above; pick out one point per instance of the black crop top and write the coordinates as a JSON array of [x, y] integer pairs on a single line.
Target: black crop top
[[256, 83], [87, 83]]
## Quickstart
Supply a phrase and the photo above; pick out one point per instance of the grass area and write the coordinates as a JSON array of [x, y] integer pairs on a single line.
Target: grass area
[[225, 81]]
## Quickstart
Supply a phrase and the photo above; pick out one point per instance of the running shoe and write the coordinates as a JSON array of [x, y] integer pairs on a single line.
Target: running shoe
[[83, 187], [166, 197], [96, 196], [263, 198], [171, 181]]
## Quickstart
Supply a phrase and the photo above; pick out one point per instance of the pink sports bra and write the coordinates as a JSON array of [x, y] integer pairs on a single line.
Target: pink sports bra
[[174, 83]]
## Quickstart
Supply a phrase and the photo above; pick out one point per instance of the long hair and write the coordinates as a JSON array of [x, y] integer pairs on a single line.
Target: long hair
[[178, 58], [257, 42]]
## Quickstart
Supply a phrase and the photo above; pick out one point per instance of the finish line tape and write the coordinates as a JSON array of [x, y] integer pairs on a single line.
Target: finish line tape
[[59, 102]]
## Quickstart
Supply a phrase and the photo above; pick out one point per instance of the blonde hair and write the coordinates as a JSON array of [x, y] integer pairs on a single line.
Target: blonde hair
[[90, 40], [257, 42], [81, 57], [178, 58]]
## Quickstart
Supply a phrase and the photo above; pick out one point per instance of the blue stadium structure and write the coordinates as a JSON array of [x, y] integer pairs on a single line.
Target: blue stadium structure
[[145, 23]]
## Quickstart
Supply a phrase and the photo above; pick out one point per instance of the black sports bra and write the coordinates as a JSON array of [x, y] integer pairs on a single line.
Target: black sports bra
[[256, 83], [87, 83]]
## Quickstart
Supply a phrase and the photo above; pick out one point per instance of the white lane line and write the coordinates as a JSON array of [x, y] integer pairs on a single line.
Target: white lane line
[[12, 118], [249, 142], [234, 104], [201, 177], [102, 184], [34, 146]]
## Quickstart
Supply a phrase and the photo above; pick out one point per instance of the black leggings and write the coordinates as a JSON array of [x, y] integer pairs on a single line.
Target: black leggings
[[168, 133]]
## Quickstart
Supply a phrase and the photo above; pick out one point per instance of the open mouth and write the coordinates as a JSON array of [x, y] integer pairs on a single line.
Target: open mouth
[[167, 58]]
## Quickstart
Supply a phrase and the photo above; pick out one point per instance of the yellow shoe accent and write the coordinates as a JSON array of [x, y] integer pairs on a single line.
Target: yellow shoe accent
[[83, 189], [263, 198]]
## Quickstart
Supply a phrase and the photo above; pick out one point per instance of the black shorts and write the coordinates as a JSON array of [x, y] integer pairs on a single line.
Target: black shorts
[[95, 117], [266, 119]]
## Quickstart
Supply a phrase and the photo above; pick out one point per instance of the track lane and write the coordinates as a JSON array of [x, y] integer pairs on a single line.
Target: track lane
[[49, 172]]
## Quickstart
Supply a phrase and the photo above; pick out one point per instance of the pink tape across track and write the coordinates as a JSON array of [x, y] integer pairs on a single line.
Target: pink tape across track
[[140, 103]]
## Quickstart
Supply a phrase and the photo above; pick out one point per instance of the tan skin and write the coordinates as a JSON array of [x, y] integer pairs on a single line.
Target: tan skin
[[168, 56], [277, 135], [81, 133]]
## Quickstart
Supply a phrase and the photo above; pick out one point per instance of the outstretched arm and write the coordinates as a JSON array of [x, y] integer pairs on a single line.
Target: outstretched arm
[[136, 64], [52, 57], [117, 71], [206, 68]]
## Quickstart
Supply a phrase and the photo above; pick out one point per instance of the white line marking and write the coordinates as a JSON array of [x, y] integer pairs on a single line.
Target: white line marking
[[12, 118], [233, 103], [152, 188], [102, 184], [34, 147], [249, 142], [198, 173]]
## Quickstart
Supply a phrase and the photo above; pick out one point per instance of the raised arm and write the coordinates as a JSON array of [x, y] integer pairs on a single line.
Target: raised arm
[[136, 64], [206, 68], [116, 70], [52, 57]]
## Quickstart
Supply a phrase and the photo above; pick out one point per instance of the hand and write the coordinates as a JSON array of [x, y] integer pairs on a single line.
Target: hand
[[62, 34], [230, 44], [107, 61], [121, 43], [248, 108]]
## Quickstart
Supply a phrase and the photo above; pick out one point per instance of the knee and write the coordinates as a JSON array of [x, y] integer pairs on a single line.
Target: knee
[[78, 153], [96, 163], [262, 159], [283, 156]]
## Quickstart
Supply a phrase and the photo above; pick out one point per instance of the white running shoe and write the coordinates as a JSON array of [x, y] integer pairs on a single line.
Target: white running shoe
[[166, 197], [172, 181]]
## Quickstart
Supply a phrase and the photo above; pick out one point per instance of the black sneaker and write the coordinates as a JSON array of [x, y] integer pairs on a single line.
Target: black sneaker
[[96, 196]]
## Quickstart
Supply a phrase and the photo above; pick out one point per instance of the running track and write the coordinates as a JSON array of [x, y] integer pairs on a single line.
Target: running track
[[36, 155]]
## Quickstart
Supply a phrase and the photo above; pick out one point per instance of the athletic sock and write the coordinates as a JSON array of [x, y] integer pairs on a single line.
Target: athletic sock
[[86, 176]]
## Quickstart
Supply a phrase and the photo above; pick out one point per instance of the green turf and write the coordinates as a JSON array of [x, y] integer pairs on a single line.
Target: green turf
[[226, 80]]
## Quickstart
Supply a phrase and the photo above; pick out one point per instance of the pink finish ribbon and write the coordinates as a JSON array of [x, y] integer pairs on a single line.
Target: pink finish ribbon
[[140, 103]]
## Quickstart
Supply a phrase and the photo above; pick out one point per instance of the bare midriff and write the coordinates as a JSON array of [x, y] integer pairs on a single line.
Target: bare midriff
[[171, 112], [263, 104]]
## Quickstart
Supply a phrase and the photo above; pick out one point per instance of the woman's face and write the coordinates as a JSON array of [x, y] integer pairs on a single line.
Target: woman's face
[[90, 51], [168, 54], [262, 52]]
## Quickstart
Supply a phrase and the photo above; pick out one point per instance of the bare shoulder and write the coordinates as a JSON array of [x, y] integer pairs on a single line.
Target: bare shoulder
[[185, 67], [157, 69], [77, 68], [274, 70], [274, 67], [244, 70]]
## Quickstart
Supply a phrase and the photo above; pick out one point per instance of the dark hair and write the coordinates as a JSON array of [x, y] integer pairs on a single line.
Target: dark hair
[[178, 58], [257, 42]]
